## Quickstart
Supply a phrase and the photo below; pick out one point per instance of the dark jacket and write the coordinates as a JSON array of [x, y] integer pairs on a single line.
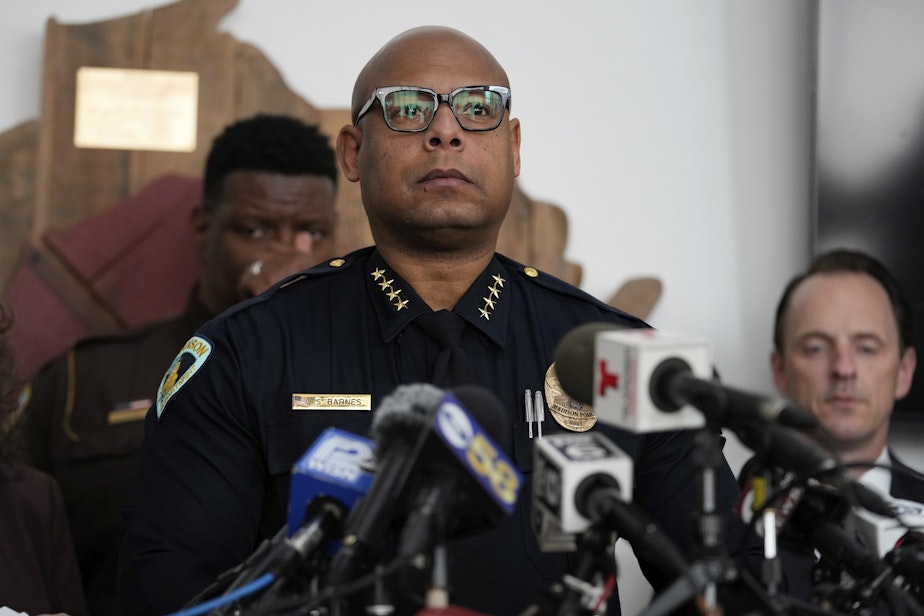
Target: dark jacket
[[84, 424], [38, 571]]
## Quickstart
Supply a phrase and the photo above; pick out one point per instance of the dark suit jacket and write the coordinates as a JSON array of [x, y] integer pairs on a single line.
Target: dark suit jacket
[[907, 483]]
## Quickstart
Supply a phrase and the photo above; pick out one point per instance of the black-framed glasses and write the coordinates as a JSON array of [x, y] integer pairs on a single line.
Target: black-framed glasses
[[409, 109]]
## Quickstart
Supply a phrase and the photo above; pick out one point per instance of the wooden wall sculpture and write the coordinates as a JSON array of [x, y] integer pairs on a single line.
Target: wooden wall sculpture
[[80, 226]]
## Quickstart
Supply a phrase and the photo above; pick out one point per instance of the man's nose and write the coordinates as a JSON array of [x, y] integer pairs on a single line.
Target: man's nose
[[844, 363], [444, 128]]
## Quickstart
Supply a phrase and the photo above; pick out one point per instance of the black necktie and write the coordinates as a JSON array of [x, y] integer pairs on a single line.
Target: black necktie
[[452, 366]]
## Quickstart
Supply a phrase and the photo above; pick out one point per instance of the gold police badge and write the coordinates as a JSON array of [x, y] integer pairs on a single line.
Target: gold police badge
[[568, 412]]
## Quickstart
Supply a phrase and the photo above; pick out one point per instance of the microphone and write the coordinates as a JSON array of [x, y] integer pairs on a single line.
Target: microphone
[[881, 534], [792, 450], [461, 482], [326, 482], [563, 462], [442, 470], [582, 479], [337, 465], [907, 560], [397, 425], [646, 380]]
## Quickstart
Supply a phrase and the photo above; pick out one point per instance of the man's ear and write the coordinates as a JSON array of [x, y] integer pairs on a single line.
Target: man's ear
[[348, 142], [199, 222], [905, 373], [779, 377], [515, 145]]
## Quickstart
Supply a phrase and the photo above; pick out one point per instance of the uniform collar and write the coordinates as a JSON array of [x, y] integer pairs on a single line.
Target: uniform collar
[[486, 304]]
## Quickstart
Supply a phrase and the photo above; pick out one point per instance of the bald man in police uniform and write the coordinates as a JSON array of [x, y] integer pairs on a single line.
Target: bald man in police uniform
[[235, 410], [267, 211]]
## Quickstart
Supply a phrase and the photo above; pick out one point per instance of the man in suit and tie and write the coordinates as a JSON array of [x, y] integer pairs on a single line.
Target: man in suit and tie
[[843, 348]]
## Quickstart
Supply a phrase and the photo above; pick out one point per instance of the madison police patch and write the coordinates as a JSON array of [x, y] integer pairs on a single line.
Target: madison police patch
[[190, 358]]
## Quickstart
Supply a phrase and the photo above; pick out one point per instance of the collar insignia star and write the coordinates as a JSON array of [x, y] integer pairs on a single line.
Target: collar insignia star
[[493, 295], [378, 275]]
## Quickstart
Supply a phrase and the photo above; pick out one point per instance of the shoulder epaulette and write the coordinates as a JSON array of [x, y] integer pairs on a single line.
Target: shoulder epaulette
[[557, 285], [320, 270]]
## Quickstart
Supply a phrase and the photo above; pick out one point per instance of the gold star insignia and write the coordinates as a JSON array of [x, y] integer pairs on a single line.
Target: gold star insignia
[[401, 303], [378, 273], [386, 283], [484, 312], [500, 281], [393, 294], [494, 292], [488, 302]]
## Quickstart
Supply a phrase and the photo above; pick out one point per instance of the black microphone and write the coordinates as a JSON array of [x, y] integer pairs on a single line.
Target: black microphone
[[462, 482], [397, 425], [454, 479], [907, 560], [792, 450], [645, 380]]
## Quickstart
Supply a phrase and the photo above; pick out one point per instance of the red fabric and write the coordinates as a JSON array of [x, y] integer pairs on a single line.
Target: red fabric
[[137, 259], [44, 325], [139, 256]]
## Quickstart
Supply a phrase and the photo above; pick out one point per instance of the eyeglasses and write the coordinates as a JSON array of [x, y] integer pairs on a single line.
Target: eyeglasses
[[408, 109]]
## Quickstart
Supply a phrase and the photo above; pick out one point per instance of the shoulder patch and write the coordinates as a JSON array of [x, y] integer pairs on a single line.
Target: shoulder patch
[[188, 361]]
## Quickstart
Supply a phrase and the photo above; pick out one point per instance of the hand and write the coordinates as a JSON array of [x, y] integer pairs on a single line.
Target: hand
[[264, 273]]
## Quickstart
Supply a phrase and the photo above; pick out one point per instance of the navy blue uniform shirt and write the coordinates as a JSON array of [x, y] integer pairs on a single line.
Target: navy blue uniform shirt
[[214, 472]]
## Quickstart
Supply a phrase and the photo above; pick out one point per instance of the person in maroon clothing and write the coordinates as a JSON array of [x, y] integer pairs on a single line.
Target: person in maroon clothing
[[38, 568]]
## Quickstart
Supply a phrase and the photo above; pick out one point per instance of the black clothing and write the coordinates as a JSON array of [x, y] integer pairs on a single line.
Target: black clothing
[[84, 423], [213, 477], [797, 565], [38, 571], [908, 484]]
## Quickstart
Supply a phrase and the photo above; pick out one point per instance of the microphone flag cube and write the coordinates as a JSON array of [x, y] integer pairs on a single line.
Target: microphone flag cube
[[624, 367]]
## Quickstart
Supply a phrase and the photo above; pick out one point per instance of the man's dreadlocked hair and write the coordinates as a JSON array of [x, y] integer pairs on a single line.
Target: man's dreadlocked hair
[[272, 143]]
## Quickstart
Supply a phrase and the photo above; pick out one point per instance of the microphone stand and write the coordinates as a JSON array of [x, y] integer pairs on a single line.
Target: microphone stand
[[718, 565], [771, 572], [580, 593], [713, 565]]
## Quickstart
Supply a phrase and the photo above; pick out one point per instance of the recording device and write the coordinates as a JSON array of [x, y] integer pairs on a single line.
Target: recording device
[[907, 560], [396, 428], [582, 479], [582, 489], [566, 467], [784, 448], [881, 534], [436, 456], [898, 541], [338, 466], [645, 380], [821, 510], [326, 483], [461, 482]]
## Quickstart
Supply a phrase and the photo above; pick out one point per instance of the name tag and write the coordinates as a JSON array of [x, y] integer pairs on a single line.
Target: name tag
[[124, 412], [329, 402]]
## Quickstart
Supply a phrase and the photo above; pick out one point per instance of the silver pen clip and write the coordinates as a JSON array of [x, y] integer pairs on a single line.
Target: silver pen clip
[[539, 410], [530, 412]]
